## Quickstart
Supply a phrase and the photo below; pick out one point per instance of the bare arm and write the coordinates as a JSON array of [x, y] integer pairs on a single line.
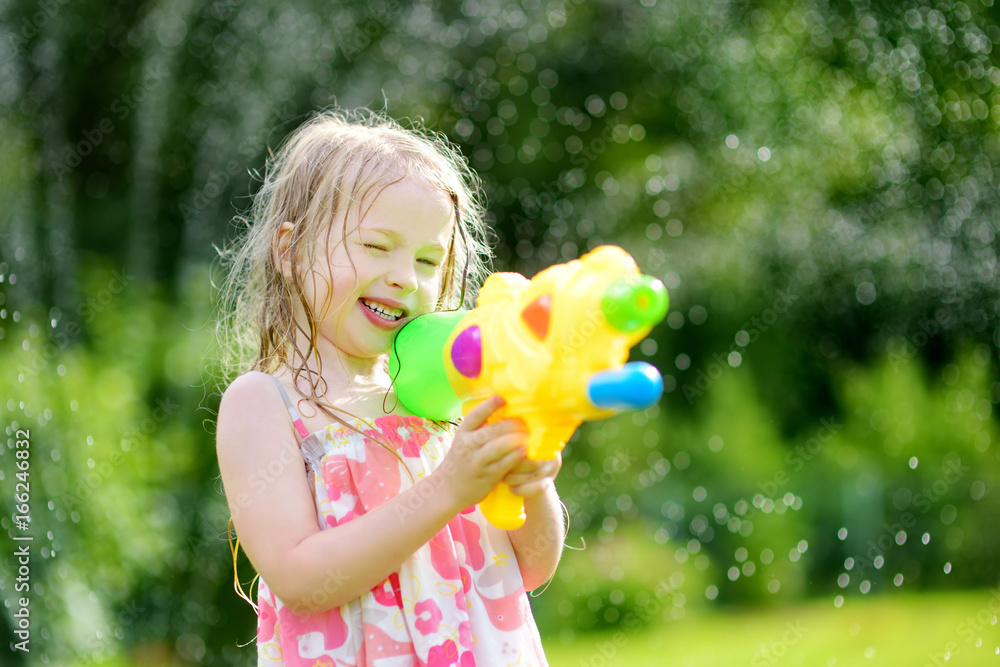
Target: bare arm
[[269, 496], [538, 543]]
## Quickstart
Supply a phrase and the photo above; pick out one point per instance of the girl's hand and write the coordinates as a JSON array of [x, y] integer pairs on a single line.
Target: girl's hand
[[481, 455], [532, 478]]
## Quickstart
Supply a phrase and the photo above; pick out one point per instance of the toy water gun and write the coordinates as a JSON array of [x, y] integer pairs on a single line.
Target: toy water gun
[[553, 347]]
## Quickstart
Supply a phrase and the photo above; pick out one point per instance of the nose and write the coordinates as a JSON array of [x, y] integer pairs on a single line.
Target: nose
[[402, 275]]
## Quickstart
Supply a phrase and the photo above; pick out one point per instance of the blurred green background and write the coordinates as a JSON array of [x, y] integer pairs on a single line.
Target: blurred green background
[[816, 182]]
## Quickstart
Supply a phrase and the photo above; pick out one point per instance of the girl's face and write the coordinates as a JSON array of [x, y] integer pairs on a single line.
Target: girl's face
[[398, 250]]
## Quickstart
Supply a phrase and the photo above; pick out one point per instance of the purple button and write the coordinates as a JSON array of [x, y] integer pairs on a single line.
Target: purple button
[[467, 352]]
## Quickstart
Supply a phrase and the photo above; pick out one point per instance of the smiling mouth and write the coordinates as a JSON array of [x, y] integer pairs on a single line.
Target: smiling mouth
[[386, 313]]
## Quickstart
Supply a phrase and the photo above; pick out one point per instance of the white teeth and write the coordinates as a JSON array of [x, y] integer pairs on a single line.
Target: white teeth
[[391, 314]]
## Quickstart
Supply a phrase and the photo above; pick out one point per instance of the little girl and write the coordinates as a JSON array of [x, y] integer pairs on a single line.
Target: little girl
[[360, 518]]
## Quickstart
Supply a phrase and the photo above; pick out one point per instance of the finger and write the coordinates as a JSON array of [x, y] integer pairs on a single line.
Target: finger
[[531, 471], [510, 458], [551, 468], [500, 447], [527, 467], [532, 489], [478, 415]]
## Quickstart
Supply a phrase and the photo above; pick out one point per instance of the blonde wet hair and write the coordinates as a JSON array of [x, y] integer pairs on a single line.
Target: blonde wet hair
[[332, 168]]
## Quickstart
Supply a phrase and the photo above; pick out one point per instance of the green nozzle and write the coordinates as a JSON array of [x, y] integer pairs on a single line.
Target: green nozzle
[[630, 304], [416, 364]]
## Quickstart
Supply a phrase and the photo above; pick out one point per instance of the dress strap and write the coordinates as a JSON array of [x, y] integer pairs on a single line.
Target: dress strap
[[296, 419]]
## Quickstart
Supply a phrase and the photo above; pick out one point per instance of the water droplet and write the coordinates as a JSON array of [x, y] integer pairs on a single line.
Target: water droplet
[[843, 580], [842, 533], [741, 555], [711, 592], [733, 574], [898, 580], [913, 462], [802, 546], [878, 562], [849, 564], [925, 538], [865, 586], [947, 568], [699, 493], [870, 652], [838, 601], [774, 586], [901, 538]]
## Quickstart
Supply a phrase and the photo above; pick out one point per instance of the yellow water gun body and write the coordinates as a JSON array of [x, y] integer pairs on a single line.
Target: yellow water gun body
[[554, 347]]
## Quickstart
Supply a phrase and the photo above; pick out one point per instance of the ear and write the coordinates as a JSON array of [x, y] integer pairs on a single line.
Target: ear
[[283, 250]]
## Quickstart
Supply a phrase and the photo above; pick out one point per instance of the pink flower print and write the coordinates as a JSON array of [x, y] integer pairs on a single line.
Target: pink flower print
[[385, 593], [443, 555], [507, 613], [380, 479], [468, 533], [418, 437], [428, 617], [337, 476], [265, 621], [311, 635], [443, 656], [379, 645], [461, 599], [465, 635], [358, 510], [389, 429]]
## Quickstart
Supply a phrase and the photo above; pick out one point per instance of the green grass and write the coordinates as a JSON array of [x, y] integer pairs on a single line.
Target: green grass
[[898, 630]]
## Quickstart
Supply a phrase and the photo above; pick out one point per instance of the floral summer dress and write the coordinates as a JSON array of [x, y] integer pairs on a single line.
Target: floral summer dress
[[459, 600]]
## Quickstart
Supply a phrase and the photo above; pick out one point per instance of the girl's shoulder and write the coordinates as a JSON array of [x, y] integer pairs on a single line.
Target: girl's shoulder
[[251, 390], [252, 422]]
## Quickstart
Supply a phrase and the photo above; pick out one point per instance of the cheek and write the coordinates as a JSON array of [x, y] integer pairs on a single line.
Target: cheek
[[430, 289]]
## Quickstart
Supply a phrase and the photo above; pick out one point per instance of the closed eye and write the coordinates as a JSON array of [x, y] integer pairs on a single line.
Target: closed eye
[[430, 262], [374, 246]]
